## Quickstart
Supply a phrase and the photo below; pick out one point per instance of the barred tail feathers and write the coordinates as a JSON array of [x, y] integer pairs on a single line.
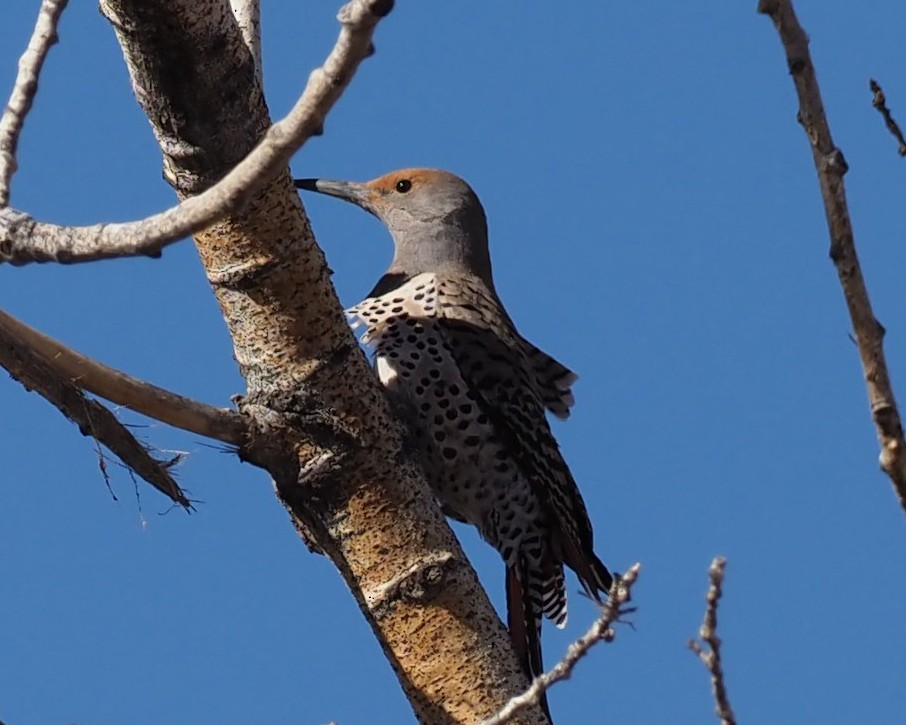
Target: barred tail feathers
[[596, 578], [524, 624]]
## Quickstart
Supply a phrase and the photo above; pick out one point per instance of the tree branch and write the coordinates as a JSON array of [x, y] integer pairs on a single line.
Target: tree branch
[[24, 90], [24, 240], [831, 167], [93, 419], [248, 18], [336, 452], [601, 630], [708, 634], [117, 387], [880, 102]]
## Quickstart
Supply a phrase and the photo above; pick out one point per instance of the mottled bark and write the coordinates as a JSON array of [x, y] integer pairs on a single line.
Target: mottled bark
[[326, 434]]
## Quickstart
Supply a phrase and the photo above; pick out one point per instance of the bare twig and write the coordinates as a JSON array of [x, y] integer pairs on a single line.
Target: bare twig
[[708, 634], [24, 90], [93, 419], [879, 101], [601, 630], [831, 167], [24, 240], [88, 374]]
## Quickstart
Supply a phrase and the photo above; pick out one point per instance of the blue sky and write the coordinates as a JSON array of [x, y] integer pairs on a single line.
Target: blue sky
[[655, 223]]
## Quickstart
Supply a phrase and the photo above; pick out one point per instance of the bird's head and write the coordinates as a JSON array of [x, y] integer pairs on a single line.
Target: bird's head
[[436, 220]]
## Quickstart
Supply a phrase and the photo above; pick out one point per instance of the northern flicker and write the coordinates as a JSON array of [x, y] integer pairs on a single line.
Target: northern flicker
[[447, 350]]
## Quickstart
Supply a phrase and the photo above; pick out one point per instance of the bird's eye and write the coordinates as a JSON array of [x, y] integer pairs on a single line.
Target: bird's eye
[[403, 185]]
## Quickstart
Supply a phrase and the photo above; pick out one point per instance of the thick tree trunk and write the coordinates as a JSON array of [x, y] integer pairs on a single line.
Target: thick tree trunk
[[327, 436]]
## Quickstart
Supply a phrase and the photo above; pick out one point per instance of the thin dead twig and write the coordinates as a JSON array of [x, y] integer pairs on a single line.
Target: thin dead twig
[[831, 167], [709, 654], [879, 101], [601, 630], [157, 403], [24, 89], [23, 240], [93, 419]]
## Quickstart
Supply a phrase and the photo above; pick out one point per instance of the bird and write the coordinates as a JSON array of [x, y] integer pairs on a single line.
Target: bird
[[476, 393]]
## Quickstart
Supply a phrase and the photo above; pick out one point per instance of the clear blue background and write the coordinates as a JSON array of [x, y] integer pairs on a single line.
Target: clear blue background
[[655, 223]]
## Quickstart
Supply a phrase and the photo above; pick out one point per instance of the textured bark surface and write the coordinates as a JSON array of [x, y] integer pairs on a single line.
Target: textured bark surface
[[327, 436]]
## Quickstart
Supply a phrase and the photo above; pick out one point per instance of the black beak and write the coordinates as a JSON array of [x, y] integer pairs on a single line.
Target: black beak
[[349, 191]]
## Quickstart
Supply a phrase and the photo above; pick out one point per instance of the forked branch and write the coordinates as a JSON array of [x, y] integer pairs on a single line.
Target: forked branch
[[23, 240], [708, 650], [59, 373]]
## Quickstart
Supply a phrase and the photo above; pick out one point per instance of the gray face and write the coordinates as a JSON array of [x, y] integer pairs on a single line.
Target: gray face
[[436, 220]]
